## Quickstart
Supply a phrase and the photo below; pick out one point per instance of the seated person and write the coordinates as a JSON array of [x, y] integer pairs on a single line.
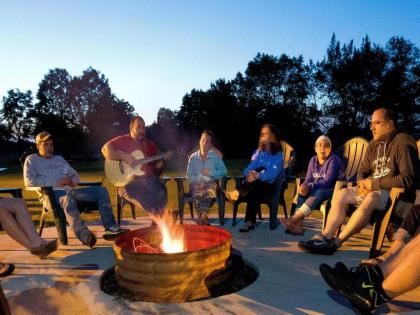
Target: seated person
[[323, 171], [205, 166], [47, 169], [265, 167], [17, 222], [390, 161], [147, 190], [405, 232], [386, 277]]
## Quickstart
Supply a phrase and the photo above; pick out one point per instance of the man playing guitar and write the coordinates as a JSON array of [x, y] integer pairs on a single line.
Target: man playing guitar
[[146, 190]]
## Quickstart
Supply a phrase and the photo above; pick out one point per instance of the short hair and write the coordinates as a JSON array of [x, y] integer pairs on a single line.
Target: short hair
[[209, 133], [134, 118], [325, 138], [389, 114]]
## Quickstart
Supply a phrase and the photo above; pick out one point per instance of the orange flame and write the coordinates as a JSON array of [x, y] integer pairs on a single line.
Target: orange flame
[[172, 233]]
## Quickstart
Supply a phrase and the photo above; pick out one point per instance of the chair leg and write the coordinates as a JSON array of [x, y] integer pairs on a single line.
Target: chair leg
[[325, 209], [44, 214], [259, 213], [133, 209], [235, 212], [221, 204], [191, 210], [274, 208], [181, 211], [119, 209], [283, 204]]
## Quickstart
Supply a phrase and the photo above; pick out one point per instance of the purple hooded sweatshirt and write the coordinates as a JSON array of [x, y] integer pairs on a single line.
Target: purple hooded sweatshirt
[[325, 176]]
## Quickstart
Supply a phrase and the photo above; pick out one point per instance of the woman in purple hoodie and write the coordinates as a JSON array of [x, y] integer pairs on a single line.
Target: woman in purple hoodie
[[323, 171]]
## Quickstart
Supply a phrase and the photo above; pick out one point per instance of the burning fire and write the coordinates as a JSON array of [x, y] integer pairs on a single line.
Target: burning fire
[[172, 233]]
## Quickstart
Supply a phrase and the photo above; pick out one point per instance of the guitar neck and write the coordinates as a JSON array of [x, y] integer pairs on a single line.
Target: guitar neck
[[151, 159]]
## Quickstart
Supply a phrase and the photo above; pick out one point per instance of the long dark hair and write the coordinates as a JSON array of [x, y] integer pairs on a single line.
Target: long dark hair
[[274, 146]]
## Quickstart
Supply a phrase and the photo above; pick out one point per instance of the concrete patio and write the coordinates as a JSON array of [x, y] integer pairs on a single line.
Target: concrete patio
[[289, 282]]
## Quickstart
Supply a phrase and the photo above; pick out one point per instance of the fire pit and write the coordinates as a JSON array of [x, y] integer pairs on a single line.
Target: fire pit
[[205, 264]]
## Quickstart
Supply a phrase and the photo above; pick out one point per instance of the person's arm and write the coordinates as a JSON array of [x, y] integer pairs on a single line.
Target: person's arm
[[193, 170], [407, 164], [331, 175], [71, 173], [254, 164], [30, 176], [275, 169], [111, 153], [219, 168], [309, 172]]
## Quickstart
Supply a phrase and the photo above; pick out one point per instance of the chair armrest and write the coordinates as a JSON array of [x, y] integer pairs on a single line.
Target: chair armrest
[[90, 184]]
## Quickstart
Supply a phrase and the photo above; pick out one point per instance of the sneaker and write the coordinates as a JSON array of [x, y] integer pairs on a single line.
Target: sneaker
[[330, 274], [363, 287], [112, 232], [319, 244]]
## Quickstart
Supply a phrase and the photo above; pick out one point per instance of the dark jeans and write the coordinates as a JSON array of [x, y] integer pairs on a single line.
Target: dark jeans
[[314, 199], [254, 192], [148, 192]]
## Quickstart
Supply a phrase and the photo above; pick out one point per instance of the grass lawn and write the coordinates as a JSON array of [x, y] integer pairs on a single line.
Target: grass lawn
[[93, 171]]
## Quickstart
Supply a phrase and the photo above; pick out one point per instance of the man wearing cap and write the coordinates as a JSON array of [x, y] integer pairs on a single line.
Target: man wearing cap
[[390, 161], [47, 169]]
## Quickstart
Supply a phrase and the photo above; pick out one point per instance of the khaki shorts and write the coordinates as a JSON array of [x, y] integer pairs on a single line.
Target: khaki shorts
[[382, 194]]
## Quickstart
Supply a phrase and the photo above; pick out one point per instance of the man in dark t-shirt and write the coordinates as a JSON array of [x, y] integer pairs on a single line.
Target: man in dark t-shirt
[[145, 190]]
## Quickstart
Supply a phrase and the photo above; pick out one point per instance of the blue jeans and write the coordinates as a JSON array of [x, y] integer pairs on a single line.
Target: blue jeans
[[68, 199], [148, 192], [314, 199]]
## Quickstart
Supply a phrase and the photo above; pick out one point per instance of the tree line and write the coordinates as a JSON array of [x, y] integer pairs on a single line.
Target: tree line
[[335, 96]]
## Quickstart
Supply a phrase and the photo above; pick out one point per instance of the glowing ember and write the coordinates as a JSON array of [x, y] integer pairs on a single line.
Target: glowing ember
[[172, 234]]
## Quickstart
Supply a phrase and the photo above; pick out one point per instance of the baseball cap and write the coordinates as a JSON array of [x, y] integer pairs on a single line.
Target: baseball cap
[[42, 136]]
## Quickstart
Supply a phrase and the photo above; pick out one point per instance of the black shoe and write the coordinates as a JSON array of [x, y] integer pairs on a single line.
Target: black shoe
[[319, 245], [6, 269], [90, 240], [112, 232], [330, 274], [363, 287], [248, 226]]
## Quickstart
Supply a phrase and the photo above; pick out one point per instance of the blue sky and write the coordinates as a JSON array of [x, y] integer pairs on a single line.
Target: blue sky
[[153, 52]]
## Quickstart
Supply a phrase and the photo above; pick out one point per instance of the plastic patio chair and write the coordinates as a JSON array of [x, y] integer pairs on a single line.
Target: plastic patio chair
[[351, 153], [56, 210], [277, 198]]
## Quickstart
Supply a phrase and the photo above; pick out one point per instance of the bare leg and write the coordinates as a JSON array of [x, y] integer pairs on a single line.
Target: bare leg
[[401, 238], [360, 218], [402, 271], [16, 221], [341, 199]]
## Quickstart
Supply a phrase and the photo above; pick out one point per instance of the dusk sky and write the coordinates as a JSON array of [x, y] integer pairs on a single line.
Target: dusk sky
[[154, 52]]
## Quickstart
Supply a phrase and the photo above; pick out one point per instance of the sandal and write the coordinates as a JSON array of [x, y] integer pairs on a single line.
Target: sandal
[[6, 269]]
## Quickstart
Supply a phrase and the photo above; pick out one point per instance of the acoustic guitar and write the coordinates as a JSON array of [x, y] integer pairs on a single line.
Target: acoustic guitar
[[120, 173]]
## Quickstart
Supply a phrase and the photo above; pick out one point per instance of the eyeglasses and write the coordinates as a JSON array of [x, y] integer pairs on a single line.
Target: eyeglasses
[[375, 123]]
